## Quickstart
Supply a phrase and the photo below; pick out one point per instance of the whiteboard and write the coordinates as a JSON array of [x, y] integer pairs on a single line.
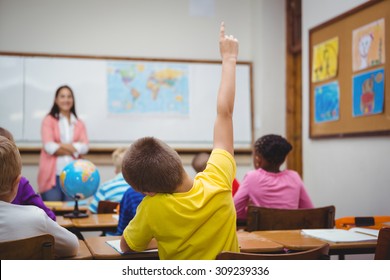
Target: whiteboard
[[11, 95], [33, 81]]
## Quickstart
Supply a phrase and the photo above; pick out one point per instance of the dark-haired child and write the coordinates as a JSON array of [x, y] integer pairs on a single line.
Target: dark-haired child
[[267, 185], [64, 139]]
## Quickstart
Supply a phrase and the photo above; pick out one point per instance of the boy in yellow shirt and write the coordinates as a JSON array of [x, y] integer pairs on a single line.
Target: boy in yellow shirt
[[189, 218]]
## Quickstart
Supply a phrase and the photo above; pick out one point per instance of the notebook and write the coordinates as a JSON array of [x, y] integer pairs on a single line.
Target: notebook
[[340, 235], [116, 245]]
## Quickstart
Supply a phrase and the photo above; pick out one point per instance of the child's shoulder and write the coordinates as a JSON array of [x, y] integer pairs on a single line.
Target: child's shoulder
[[29, 213], [218, 152], [292, 174]]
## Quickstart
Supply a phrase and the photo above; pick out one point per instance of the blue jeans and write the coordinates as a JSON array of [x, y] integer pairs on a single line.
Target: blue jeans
[[56, 193]]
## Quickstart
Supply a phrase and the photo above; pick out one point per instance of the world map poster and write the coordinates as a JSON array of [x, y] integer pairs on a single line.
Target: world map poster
[[148, 88]]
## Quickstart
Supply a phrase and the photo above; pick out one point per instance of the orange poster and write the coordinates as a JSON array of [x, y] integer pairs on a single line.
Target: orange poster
[[368, 45]]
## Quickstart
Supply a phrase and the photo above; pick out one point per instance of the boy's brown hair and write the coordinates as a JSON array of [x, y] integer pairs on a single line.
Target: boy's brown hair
[[10, 164], [150, 165]]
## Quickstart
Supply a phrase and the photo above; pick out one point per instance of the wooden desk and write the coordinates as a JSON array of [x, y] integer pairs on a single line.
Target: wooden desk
[[253, 243], [82, 254], [64, 222], [294, 240], [100, 250], [104, 222], [248, 243], [63, 207]]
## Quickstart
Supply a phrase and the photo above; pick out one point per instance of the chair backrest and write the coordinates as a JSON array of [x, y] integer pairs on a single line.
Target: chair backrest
[[261, 218], [382, 251], [319, 253], [106, 207], [39, 247]]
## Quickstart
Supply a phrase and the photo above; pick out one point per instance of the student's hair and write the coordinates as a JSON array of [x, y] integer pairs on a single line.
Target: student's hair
[[199, 162], [10, 164], [150, 165], [4, 132], [117, 157], [55, 110], [273, 148]]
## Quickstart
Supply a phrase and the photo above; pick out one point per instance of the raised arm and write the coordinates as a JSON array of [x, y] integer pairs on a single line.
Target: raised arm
[[223, 127]]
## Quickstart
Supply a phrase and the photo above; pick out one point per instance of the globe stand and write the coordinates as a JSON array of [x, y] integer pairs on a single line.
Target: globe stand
[[76, 212]]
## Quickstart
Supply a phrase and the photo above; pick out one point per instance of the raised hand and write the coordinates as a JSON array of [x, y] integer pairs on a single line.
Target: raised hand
[[223, 127], [228, 45]]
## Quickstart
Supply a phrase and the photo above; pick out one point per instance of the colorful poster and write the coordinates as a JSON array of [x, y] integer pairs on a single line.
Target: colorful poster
[[325, 60], [148, 88], [326, 102], [368, 93], [368, 45]]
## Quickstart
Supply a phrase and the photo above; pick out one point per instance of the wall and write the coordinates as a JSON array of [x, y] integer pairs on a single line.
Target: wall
[[269, 56], [351, 173], [167, 30]]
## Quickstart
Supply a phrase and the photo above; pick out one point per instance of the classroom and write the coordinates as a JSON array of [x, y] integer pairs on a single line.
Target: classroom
[[349, 172]]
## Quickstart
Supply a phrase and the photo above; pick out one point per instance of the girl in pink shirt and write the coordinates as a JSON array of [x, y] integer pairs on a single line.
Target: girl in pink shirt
[[267, 186]]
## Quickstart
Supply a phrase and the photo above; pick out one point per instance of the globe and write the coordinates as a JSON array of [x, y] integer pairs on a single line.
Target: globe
[[79, 179]]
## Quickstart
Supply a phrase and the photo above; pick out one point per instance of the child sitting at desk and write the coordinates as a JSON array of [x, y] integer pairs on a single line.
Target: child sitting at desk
[[26, 194], [113, 189], [128, 208], [267, 185], [189, 218], [23, 221]]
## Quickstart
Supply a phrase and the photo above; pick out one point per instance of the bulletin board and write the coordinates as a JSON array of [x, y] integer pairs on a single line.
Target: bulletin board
[[349, 67], [121, 99]]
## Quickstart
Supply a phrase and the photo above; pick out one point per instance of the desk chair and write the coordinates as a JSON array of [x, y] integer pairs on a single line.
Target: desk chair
[[320, 253], [106, 207], [261, 218], [382, 251], [39, 247]]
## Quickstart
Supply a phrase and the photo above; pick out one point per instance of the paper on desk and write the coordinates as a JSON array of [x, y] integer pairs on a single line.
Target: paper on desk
[[115, 216], [116, 245], [338, 235], [369, 231]]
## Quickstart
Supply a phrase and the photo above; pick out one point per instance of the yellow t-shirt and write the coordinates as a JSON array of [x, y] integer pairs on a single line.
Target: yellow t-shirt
[[194, 225]]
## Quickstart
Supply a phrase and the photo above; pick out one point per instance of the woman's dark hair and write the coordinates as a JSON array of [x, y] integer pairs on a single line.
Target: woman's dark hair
[[55, 110], [273, 148]]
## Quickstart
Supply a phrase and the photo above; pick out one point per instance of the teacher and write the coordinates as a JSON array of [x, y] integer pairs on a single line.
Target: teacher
[[64, 139]]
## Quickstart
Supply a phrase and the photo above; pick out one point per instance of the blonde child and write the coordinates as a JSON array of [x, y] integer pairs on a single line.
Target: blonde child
[[23, 221], [114, 189], [26, 194]]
